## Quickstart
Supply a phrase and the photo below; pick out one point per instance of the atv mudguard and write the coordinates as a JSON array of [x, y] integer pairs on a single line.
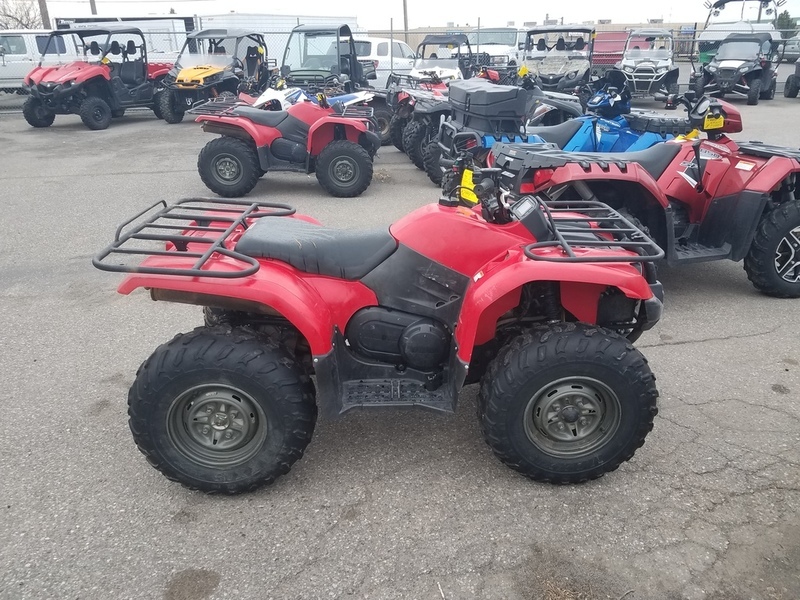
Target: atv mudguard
[[239, 127], [323, 132], [496, 289], [616, 171], [315, 304]]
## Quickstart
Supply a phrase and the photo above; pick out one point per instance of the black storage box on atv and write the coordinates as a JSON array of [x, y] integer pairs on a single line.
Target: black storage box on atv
[[655, 122], [484, 106]]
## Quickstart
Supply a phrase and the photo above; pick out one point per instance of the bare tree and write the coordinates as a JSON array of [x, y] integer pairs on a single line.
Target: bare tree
[[19, 14]]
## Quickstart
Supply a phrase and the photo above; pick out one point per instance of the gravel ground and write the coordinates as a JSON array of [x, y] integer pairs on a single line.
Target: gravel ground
[[385, 504]]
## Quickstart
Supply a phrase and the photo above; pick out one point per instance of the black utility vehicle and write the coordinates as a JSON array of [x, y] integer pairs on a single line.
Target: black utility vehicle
[[744, 65]]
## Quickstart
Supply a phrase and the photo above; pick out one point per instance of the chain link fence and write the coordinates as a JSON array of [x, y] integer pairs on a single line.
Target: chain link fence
[[689, 45]]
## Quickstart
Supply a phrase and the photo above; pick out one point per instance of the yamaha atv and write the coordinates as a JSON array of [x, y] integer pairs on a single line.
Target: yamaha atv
[[540, 309], [335, 141]]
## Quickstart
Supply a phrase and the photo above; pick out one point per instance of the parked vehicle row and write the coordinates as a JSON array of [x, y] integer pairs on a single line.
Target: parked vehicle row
[[565, 223]]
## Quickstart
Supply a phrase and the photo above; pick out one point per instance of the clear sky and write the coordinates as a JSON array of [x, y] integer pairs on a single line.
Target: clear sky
[[375, 14]]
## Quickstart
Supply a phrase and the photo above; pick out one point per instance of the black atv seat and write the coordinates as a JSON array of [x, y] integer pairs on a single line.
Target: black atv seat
[[655, 160], [270, 118], [560, 134], [318, 250]]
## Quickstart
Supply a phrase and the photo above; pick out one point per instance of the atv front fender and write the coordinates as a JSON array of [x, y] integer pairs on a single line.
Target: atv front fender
[[329, 128], [498, 287], [315, 305]]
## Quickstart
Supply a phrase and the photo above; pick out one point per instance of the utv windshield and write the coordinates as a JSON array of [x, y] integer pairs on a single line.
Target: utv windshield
[[98, 47], [488, 37], [218, 52], [654, 48], [738, 51], [313, 51], [557, 52]]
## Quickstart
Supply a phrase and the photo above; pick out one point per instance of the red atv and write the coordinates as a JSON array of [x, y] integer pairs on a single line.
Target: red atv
[[538, 309], [404, 92], [113, 76], [336, 142], [700, 200]]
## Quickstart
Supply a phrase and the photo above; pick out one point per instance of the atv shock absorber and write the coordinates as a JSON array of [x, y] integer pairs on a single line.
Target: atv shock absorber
[[584, 191], [552, 307]]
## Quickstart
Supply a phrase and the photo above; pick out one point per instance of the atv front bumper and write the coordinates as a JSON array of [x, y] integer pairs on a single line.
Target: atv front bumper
[[727, 85], [559, 83], [53, 94], [644, 81]]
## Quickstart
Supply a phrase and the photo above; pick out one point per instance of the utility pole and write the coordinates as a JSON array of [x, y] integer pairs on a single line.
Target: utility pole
[[92, 7], [44, 14], [405, 20]]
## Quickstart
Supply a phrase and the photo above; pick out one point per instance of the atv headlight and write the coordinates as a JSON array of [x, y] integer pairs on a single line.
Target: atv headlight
[[212, 78], [744, 68], [712, 68], [628, 69], [661, 70], [572, 75]]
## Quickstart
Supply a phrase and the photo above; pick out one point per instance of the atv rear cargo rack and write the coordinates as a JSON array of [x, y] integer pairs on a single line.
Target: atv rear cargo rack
[[168, 229], [214, 106], [576, 231]]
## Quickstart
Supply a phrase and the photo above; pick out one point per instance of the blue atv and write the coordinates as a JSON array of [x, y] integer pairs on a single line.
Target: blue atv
[[611, 126]]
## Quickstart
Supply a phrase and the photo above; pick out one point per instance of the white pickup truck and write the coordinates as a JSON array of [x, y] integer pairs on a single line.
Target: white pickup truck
[[20, 51]]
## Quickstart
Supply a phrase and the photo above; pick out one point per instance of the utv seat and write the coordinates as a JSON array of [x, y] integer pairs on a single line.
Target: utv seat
[[317, 250], [132, 72], [560, 134]]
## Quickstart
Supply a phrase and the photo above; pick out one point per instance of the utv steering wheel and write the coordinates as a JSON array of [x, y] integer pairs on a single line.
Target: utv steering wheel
[[237, 63]]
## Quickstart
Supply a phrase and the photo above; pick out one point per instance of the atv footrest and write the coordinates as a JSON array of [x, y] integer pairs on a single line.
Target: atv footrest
[[392, 392], [694, 252]]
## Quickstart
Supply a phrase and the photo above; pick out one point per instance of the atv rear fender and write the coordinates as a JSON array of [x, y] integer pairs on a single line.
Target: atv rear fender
[[770, 177], [595, 171], [333, 127], [237, 127], [315, 305], [497, 289]]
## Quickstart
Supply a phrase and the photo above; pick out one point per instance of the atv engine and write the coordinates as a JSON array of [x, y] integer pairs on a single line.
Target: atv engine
[[396, 337]]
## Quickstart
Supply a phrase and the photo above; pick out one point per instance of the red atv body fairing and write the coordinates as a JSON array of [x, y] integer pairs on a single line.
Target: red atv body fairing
[[445, 262], [79, 71]]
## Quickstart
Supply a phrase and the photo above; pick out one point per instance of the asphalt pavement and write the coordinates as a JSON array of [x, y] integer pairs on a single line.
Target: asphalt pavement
[[385, 504]]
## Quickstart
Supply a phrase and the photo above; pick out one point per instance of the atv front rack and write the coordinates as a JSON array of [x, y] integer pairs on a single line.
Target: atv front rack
[[203, 222], [596, 226]]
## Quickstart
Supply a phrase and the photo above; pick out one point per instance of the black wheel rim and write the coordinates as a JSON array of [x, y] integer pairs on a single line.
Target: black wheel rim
[[383, 126], [787, 256], [227, 169], [572, 417], [216, 425], [98, 114], [343, 170]]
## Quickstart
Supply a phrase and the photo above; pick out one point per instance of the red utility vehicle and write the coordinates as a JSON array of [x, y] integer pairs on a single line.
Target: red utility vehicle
[[334, 141], [113, 76], [537, 305], [709, 199]]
